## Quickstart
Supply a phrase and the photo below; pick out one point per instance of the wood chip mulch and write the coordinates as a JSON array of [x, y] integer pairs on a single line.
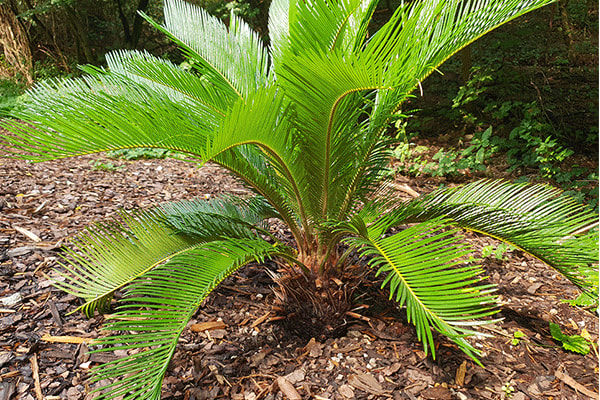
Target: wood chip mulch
[[234, 348]]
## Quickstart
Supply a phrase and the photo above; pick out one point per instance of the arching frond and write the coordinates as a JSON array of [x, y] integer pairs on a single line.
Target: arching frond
[[233, 58], [109, 256], [423, 35], [219, 218], [176, 83], [105, 112], [263, 120], [252, 166], [279, 28], [320, 26], [535, 218], [157, 308], [426, 271]]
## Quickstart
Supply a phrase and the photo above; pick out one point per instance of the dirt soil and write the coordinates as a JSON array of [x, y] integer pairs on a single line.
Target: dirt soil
[[245, 353]]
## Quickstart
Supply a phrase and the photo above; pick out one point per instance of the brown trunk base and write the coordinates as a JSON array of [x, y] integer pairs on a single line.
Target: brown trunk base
[[313, 307]]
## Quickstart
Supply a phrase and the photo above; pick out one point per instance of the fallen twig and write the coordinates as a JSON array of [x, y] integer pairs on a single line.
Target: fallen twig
[[260, 320], [67, 339], [36, 378], [574, 384], [208, 326]]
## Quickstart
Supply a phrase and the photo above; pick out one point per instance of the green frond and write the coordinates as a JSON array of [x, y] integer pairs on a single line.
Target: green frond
[[319, 26], [176, 83], [443, 27], [279, 28], [422, 35], [327, 91], [426, 270], [263, 120], [157, 308], [111, 255], [358, 23], [234, 57], [534, 218], [219, 218], [252, 166], [104, 112]]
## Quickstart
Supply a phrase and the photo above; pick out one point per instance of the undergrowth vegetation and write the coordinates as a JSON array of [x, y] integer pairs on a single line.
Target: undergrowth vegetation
[[523, 112]]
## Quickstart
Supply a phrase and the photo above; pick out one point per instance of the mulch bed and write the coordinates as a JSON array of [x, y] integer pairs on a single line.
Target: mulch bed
[[234, 348]]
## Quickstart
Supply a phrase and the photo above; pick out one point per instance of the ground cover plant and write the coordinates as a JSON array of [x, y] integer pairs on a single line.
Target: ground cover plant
[[302, 123]]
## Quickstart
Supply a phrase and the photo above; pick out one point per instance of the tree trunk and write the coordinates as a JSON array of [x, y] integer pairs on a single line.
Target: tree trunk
[[137, 23], [567, 29], [124, 22], [15, 45], [84, 55]]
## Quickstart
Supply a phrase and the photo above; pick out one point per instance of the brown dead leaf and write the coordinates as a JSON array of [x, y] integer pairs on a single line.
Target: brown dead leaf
[[346, 391], [314, 349], [208, 326], [288, 389], [460, 374], [437, 393], [366, 383]]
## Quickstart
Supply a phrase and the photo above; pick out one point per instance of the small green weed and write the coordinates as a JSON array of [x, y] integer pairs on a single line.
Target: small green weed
[[138, 153], [50, 69], [508, 390], [411, 158], [517, 336], [445, 162], [498, 252], [101, 166], [574, 343], [584, 300]]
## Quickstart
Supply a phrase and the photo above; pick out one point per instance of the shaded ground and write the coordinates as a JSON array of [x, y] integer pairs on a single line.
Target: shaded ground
[[245, 351]]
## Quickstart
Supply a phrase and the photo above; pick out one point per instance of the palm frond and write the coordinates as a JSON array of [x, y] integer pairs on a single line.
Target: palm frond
[[263, 120], [109, 256], [426, 271], [157, 308], [219, 218], [252, 166], [175, 82], [279, 28], [443, 27], [235, 58], [104, 112], [322, 87], [534, 218], [358, 23]]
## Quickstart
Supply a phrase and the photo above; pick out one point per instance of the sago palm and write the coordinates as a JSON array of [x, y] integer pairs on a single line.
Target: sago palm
[[301, 122]]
